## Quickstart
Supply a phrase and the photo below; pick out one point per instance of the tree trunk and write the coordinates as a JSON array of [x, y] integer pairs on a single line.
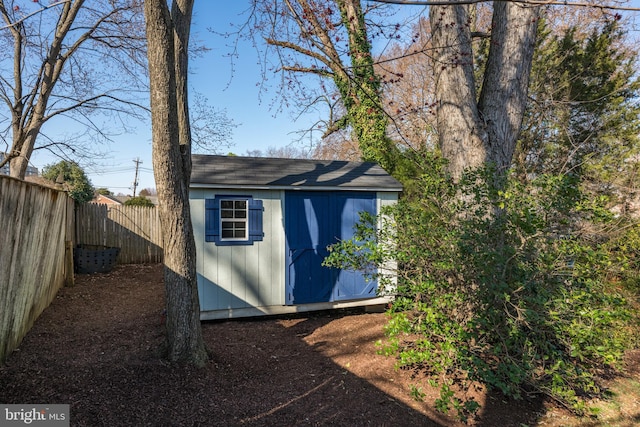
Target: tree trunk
[[470, 133], [24, 142], [20, 155], [172, 168], [461, 132], [181, 14], [506, 78]]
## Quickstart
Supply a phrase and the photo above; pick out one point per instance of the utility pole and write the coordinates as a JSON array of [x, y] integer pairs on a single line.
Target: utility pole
[[137, 161]]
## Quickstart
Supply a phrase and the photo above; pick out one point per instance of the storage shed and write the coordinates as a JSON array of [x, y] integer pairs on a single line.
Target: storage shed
[[262, 226]]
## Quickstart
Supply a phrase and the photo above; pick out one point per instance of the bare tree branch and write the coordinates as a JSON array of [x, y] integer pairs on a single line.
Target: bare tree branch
[[297, 48], [523, 2], [93, 99], [24, 18], [53, 60]]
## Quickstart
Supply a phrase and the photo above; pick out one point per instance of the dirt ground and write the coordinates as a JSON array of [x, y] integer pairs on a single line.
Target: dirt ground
[[95, 348]]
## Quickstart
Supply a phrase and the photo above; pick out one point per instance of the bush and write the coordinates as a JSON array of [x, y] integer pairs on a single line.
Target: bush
[[502, 286], [139, 201]]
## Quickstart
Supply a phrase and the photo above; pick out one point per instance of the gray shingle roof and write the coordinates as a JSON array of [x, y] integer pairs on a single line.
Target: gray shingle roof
[[261, 172]]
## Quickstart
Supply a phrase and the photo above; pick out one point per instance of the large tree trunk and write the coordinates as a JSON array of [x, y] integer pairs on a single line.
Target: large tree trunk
[[470, 133], [181, 13], [506, 78], [461, 133], [172, 168]]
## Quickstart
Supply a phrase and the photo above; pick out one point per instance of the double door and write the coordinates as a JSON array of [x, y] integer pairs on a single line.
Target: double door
[[313, 221]]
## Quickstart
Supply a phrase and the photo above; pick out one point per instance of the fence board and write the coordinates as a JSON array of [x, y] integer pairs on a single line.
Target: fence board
[[37, 235], [134, 229], [36, 224]]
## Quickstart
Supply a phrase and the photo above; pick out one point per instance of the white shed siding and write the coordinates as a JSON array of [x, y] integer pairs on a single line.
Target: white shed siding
[[233, 277], [390, 268], [386, 199]]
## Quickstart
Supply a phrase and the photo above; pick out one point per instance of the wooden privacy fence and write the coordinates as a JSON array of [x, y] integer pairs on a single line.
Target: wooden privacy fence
[[36, 259], [134, 229]]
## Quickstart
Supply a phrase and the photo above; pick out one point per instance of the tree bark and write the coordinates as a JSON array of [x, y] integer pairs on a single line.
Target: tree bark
[[461, 132], [181, 14], [473, 133], [506, 78], [167, 38]]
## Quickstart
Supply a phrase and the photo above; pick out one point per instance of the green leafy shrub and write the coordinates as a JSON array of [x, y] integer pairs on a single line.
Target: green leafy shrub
[[139, 201], [501, 284]]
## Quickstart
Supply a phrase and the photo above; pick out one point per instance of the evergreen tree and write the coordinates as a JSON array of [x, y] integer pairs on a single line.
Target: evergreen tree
[[583, 117], [75, 180]]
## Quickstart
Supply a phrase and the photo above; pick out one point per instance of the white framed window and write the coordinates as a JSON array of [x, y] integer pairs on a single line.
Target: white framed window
[[234, 217]]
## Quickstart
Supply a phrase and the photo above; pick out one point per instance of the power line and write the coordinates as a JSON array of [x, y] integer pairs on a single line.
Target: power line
[[121, 170]]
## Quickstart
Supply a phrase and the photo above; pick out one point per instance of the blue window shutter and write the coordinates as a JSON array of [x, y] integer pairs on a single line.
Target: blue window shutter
[[212, 220], [255, 220]]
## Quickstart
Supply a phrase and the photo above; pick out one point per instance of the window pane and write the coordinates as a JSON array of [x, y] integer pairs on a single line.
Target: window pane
[[233, 219]]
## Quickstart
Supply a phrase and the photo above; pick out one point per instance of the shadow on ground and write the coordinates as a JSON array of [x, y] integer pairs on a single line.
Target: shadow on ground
[[95, 348]]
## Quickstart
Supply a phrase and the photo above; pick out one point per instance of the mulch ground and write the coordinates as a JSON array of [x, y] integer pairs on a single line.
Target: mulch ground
[[96, 348]]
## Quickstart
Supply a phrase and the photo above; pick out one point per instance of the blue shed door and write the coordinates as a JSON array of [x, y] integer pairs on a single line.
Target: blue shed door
[[313, 221]]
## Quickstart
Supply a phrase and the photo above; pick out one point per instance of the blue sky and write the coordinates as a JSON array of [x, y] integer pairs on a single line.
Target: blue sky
[[259, 127], [259, 124]]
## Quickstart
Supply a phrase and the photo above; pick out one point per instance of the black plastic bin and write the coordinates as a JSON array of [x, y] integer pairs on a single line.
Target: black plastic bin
[[90, 259]]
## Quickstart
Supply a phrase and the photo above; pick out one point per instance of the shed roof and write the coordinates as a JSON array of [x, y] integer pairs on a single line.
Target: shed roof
[[271, 173]]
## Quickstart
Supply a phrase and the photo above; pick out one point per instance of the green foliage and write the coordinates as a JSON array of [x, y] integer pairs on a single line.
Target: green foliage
[[508, 287], [584, 111], [360, 93], [139, 201], [75, 180], [416, 393]]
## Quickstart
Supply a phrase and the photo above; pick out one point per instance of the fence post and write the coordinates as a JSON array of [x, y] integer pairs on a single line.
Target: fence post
[[69, 279]]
